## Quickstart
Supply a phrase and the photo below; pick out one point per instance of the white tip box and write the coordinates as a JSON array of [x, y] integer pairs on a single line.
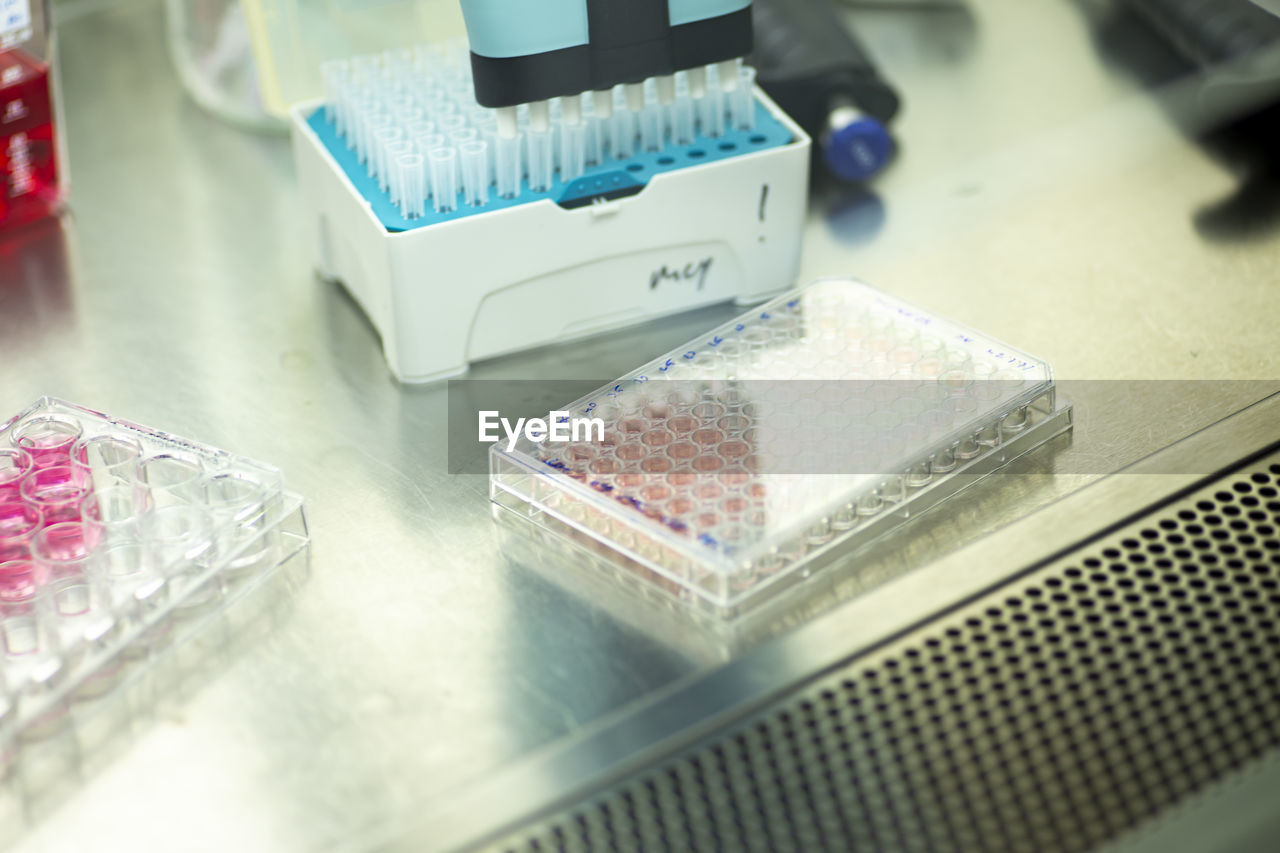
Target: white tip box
[[446, 295]]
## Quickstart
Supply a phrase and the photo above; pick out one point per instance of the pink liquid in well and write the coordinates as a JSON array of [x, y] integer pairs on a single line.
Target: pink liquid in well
[[14, 465], [19, 580], [55, 492], [18, 526], [29, 187], [48, 441], [50, 494], [64, 542]]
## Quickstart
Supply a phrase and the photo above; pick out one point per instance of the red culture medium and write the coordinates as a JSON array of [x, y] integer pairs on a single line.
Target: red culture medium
[[29, 186]]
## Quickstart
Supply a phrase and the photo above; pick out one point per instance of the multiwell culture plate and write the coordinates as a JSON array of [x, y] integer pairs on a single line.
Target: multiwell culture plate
[[806, 427], [116, 542]]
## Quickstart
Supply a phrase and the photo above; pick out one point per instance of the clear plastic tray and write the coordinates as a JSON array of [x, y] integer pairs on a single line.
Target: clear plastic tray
[[141, 540], [809, 426]]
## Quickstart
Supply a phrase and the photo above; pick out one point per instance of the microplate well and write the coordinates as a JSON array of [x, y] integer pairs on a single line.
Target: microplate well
[[806, 428]]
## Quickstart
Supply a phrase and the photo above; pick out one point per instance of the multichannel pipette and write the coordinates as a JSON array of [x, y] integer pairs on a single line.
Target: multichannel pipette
[[523, 53]]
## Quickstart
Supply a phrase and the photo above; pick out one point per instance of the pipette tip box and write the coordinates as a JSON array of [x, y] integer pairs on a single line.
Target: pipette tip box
[[119, 544], [709, 209], [748, 459]]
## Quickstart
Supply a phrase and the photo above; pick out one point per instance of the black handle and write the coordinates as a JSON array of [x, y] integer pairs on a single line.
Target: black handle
[[808, 61], [1211, 32]]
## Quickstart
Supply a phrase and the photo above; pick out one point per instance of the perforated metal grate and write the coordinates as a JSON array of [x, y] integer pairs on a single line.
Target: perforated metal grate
[[1051, 714]]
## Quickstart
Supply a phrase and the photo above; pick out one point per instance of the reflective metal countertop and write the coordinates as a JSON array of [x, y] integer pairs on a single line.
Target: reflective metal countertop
[[1041, 195]]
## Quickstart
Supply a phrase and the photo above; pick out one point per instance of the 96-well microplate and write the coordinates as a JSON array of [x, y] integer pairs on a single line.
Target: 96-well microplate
[[818, 421]]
